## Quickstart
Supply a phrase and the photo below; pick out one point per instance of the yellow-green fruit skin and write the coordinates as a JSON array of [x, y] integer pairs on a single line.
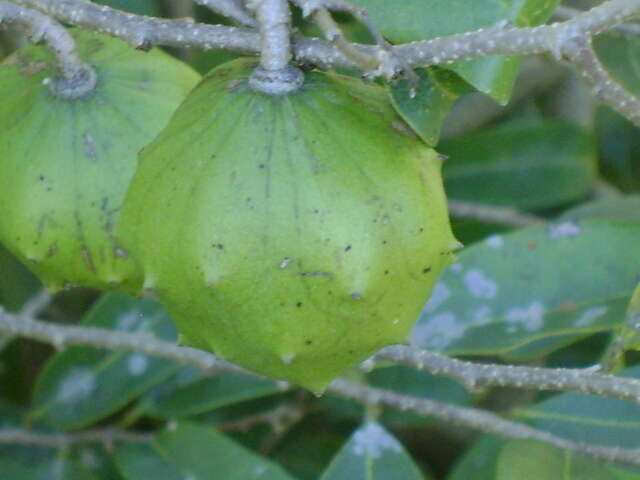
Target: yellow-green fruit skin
[[293, 235], [65, 164]]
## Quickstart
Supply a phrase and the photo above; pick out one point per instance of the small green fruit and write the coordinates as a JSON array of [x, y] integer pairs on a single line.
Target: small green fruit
[[65, 164], [293, 235]]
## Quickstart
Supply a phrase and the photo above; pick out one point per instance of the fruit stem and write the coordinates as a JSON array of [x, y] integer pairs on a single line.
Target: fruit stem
[[41, 27], [82, 82], [274, 76]]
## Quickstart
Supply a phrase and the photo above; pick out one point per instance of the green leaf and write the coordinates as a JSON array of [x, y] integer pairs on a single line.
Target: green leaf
[[17, 284], [37, 463], [529, 292], [588, 418], [523, 459], [619, 143], [374, 454], [409, 381], [480, 461], [521, 165], [190, 392], [191, 452], [435, 94], [625, 208], [427, 19], [141, 7], [619, 54], [81, 385]]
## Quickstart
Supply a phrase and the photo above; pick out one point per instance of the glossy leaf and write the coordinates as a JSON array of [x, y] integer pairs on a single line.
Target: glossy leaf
[[529, 292], [523, 165], [81, 385], [374, 454], [427, 19], [625, 208], [426, 107], [195, 453], [524, 459], [588, 418], [190, 392]]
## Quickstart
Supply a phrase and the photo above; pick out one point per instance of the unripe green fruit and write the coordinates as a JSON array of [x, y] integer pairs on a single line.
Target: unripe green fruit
[[65, 164], [293, 235]]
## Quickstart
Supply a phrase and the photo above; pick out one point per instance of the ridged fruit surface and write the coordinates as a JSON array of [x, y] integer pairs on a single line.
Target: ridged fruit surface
[[294, 235], [65, 164]]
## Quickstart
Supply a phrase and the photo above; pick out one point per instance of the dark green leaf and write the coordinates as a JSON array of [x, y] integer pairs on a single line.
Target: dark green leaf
[[81, 385], [588, 418], [565, 280], [409, 381], [619, 144], [521, 165], [625, 208], [480, 461], [17, 284], [523, 459], [427, 19], [141, 7], [374, 454], [619, 54], [37, 463], [191, 452], [190, 392], [425, 111]]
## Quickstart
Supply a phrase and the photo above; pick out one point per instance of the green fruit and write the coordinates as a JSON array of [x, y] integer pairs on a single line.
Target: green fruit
[[65, 164], [293, 235]]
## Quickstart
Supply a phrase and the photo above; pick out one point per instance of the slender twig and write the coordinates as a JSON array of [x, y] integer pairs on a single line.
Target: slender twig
[[108, 436], [381, 62], [558, 39], [625, 336], [473, 418], [578, 50], [43, 28], [233, 9], [475, 375], [477, 419], [62, 336], [36, 304], [492, 214], [145, 31], [277, 418], [274, 18], [333, 34], [567, 13]]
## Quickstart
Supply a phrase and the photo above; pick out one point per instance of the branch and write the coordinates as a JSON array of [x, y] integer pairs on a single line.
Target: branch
[[469, 417], [232, 9], [578, 50], [62, 336], [558, 39], [492, 214], [41, 27], [478, 420], [107, 437], [274, 17], [475, 376], [567, 13]]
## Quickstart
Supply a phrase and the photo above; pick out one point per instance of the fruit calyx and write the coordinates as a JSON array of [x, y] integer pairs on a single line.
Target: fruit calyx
[[80, 84], [276, 82]]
